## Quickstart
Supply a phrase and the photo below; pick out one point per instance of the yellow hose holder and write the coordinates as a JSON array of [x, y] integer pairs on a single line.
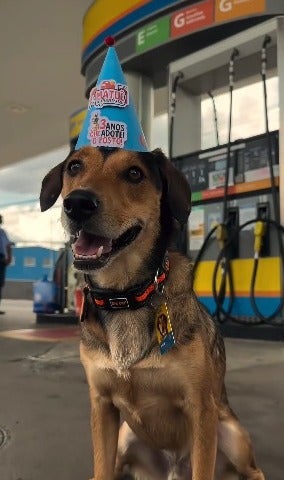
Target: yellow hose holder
[[259, 232], [221, 235]]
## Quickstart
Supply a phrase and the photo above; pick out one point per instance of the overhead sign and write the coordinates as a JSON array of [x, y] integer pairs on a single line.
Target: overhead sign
[[192, 18], [110, 17], [229, 9], [153, 34], [100, 22], [99, 17]]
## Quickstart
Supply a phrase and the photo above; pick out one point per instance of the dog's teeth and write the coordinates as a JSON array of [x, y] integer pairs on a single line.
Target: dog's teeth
[[100, 251], [86, 257]]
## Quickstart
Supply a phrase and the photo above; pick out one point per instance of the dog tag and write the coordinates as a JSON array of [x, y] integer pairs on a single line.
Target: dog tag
[[164, 329]]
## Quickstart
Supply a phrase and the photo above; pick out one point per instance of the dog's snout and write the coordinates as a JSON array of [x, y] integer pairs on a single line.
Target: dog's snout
[[80, 205]]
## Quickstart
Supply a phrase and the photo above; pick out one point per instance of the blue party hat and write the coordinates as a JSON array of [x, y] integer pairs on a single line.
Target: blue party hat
[[111, 120]]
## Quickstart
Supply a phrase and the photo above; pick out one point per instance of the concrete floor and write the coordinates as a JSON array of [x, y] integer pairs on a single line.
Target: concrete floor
[[44, 405]]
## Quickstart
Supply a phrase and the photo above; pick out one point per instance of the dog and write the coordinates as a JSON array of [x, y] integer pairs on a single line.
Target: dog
[[155, 415]]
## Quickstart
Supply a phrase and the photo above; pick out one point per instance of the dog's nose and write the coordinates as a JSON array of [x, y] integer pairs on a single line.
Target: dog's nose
[[80, 205]]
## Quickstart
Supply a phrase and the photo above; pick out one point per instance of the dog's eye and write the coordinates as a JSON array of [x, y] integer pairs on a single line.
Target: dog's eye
[[134, 175], [74, 167]]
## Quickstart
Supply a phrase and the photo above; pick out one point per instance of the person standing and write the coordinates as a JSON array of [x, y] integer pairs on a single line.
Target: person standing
[[5, 256]]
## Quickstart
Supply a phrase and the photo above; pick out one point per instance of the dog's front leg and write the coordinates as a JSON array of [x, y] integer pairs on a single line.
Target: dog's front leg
[[204, 441], [105, 427]]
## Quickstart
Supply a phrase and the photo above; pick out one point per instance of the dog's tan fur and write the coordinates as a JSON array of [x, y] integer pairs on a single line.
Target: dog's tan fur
[[177, 419]]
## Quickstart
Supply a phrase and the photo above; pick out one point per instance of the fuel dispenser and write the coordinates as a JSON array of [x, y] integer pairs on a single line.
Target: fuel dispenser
[[234, 234], [65, 278]]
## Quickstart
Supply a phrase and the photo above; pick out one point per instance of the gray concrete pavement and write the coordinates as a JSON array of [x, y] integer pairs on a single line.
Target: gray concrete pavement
[[44, 405]]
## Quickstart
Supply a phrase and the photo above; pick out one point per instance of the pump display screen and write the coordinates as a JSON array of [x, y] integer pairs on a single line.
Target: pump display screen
[[254, 157], [249, 168], [206, 173], [196, 173], [217, 171]]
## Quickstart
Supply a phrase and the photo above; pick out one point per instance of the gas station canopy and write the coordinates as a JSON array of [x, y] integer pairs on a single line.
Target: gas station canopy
[[41, 82], [42, 55]]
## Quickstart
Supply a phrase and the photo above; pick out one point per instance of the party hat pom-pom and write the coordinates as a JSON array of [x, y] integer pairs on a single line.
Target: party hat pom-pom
[[109, 41]]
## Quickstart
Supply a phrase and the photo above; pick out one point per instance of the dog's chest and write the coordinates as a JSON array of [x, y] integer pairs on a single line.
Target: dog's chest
[[129, 336], [151, 398], [150, 390], [152, 394]]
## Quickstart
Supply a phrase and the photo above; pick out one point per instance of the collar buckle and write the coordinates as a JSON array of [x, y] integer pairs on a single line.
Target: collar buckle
[[159, 288]]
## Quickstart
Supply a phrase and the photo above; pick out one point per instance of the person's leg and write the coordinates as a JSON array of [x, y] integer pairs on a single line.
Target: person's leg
[[2, 280]]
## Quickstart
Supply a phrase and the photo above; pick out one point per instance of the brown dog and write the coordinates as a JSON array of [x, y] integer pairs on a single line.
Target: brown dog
[[121, 208]]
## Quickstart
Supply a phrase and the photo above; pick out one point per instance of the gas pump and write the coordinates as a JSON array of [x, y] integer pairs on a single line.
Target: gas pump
[[234, 233], [65, 278]]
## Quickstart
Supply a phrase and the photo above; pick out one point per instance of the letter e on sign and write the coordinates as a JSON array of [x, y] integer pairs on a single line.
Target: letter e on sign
[[141, 38]]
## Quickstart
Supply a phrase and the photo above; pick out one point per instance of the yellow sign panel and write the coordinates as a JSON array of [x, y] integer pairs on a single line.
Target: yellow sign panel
[[76, 123], [102, 14], [229, 9]]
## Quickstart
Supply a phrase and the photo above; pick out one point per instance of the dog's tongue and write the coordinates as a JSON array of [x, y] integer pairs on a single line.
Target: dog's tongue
[[88, 244]]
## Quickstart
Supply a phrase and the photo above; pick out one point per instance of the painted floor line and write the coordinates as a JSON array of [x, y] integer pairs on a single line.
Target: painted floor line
[[43, 334]]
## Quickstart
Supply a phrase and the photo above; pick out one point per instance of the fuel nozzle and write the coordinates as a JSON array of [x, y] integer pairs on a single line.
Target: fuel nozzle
[[259, 232], [221, 235]]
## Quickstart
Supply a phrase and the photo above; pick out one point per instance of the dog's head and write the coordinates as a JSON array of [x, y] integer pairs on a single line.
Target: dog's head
[[117, 204]]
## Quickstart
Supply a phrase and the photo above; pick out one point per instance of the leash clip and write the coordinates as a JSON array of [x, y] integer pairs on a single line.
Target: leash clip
[[158, 290]]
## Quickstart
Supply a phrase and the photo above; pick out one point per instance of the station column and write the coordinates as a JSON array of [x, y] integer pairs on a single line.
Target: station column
[[142, 94]]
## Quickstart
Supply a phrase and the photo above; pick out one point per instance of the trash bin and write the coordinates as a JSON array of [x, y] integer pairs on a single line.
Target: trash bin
[[44, 294]]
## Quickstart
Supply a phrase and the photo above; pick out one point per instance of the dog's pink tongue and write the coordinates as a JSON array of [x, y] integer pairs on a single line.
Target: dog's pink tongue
[[88, 244]]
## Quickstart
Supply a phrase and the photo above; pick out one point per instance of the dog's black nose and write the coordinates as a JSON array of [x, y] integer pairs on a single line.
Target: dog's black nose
[[80, 205]]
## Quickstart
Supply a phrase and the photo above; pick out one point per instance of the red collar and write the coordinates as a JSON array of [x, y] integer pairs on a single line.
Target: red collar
[[132, 298]]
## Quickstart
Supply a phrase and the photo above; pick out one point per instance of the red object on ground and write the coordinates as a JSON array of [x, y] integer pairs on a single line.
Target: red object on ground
[[78, 299]]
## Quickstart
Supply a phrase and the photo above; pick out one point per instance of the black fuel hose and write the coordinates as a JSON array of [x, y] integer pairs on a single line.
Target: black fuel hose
[[261, 318], [203, 249], [220, 295], [276, 209], [178, 77]]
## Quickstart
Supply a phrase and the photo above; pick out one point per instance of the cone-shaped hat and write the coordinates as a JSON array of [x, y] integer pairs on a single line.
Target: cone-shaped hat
[[111, 120]]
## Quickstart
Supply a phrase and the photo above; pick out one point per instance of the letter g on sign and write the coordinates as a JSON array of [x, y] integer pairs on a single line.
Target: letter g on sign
[[225, 5], [179, 20]]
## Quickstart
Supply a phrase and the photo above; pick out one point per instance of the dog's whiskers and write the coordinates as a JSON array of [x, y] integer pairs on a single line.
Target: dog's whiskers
[[74, 236]]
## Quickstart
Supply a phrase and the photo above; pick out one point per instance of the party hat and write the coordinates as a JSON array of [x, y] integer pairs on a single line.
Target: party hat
[[111, 120]]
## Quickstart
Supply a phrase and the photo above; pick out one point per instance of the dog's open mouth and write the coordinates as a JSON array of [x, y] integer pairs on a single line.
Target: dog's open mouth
[[92, 251]]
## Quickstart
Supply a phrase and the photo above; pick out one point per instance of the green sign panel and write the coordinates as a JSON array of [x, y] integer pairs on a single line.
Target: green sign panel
[[196, 196], [153, 34]]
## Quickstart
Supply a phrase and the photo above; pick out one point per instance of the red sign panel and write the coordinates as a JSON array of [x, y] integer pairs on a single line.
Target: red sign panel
[[192, 18]]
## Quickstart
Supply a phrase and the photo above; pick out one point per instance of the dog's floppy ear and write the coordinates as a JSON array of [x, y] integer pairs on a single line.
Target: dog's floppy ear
[[178, 190], [51, 187]]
